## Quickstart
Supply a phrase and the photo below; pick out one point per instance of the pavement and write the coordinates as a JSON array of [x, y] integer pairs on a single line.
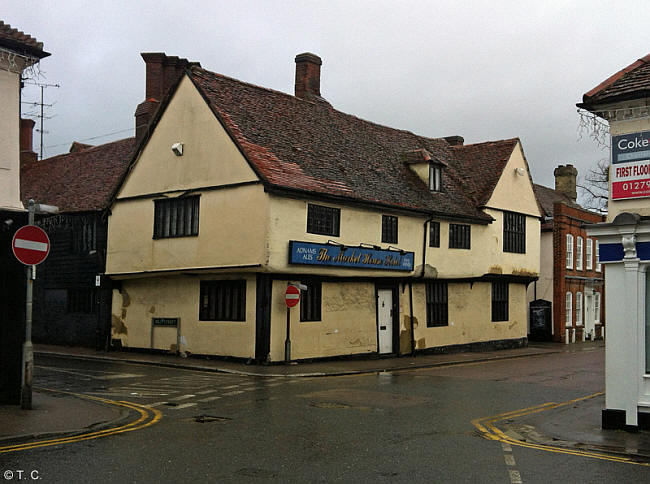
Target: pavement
[[575, 426]]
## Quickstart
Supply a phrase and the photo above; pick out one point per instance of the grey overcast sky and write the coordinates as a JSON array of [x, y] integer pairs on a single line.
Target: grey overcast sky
[[485, 70]]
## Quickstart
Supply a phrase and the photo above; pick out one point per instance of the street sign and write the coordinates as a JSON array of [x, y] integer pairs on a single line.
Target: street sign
[[292, 296], [31, 245]]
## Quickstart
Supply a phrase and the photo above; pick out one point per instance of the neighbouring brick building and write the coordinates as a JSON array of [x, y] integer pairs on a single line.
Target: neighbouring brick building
[[571, 277]]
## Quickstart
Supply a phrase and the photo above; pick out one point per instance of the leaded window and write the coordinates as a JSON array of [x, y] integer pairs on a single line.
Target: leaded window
[[176, 217], [437, 307], [311, 301], [499, 301], [459, 236], [514, 232], [222, 301], [434, 234], [323, 220], [389, 229]]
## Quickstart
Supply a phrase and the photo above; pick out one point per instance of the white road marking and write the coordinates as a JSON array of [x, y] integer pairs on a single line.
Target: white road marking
[[209, 399], [506, 447], [157, 404], [105, 375], [185, 405], [515, 477], [183, 397], [236, 392], [205, 392], [510, 460], [229, 387]]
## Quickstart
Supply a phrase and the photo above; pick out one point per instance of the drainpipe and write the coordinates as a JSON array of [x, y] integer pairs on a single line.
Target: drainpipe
[[419, 277]]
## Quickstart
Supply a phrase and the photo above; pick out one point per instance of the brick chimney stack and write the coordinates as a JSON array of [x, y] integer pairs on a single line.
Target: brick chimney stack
[[162, 72], [308, 76], [27, 154], [565, 181]]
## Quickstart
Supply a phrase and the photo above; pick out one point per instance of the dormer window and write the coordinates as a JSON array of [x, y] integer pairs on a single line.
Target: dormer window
[[435, 177], [419, 160]]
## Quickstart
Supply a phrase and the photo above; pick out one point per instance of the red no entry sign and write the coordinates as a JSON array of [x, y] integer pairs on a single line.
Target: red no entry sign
[[30, 245], [292, 296]]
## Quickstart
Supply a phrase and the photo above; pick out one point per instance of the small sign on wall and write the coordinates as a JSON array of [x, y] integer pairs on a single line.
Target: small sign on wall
[[171, 322]]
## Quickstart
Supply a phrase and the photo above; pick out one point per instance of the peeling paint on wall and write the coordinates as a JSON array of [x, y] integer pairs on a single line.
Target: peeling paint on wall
[[351, 297], [118, 326], [126, 299], [524, 272]]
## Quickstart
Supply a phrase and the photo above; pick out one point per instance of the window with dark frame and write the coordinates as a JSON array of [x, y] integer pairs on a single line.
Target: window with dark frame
[[222, 301], [514, 232], [389, 229], [435, 177], [311, 301], [459, 236], [176, 217], [434, 234], [84, 237], [437, 307], [499, 301], [81, 300], [323, 220]]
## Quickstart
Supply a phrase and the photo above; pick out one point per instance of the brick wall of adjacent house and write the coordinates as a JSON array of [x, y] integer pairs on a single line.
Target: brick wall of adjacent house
[[572, 220]]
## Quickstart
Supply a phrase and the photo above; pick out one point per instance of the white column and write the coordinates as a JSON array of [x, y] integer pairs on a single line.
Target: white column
[[633, 312]]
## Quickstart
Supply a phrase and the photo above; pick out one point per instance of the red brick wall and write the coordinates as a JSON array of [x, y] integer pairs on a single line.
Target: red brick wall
[[570, 220]]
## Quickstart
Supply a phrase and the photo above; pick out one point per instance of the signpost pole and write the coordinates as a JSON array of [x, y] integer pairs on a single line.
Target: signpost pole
[[291, 298], [28, 349], [287, 342]]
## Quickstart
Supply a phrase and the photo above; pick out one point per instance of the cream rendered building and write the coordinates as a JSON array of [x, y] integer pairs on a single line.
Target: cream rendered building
[[403, 243]]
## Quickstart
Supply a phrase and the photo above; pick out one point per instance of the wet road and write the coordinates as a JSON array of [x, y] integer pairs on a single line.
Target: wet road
[[411, 426]]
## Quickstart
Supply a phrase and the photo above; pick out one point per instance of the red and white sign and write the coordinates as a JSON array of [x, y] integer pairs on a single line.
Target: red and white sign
[[631, 180], [30, 245], [292, 296]]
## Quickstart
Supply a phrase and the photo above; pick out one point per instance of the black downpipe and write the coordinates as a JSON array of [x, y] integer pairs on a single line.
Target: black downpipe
[[424, 260]]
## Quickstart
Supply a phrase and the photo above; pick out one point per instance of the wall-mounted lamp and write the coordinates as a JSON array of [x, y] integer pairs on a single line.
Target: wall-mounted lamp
[[177, 149], [520, 171]]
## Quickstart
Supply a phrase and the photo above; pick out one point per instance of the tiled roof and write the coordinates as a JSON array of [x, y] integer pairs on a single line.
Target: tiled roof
[[310, 147], [546, 197], [481, 165], [20, 41], [632, 81], [79, 181]]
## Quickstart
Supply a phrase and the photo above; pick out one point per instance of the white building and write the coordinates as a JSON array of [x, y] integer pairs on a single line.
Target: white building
[[624, 239]]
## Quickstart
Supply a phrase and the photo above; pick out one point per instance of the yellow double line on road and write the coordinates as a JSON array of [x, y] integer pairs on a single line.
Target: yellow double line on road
[[148, 416], [490, 431]]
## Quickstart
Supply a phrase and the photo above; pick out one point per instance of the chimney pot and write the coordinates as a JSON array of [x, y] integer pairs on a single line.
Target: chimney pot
[[307, 76], [565, 181]]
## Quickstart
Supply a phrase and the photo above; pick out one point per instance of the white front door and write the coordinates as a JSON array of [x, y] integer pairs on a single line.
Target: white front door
[[385, 320], [590, 324]]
